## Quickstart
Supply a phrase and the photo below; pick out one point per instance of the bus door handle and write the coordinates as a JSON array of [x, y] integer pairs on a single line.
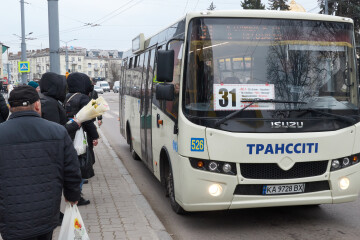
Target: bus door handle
[[158, 121]]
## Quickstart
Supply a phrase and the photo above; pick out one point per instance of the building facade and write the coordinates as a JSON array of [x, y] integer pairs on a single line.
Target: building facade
[[94, 63], [4, 64]]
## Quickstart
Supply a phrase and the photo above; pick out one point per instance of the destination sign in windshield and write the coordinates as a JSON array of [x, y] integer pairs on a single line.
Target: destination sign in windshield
[[273, 30]]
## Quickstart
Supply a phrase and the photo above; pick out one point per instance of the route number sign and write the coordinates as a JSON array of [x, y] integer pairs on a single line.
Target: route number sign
[[229, 97]]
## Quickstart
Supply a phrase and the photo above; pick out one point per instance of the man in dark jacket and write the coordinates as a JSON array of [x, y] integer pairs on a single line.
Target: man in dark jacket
[[80, 86], [40, 162], [4, 110]]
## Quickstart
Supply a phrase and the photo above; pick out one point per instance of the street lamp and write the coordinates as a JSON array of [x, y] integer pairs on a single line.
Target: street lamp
[[66, 53], [26, 36]]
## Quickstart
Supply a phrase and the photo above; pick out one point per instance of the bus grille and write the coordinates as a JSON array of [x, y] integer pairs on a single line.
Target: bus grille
[[273, 171]]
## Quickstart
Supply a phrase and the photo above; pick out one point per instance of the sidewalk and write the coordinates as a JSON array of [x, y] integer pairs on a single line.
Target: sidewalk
[[117, 210]]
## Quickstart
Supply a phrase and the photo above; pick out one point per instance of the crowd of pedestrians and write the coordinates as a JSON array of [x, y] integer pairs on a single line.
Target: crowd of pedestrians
[[38, 162]]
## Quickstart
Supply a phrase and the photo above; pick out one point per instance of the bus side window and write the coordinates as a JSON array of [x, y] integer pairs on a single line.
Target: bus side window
[[123, 76], [152, 76], [128, 77], [137, 77], [130, 63], [136, 62], [172, 107], [155, 101]]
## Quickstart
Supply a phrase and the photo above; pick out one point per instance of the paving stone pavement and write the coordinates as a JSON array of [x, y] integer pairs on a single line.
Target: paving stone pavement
[[117, 210]]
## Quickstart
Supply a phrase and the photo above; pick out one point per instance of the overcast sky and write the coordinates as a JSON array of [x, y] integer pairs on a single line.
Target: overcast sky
[[115, 22]]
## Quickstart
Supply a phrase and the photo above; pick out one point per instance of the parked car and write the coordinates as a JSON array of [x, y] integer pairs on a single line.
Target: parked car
[[98, 89], [116, 86], [104, 85]]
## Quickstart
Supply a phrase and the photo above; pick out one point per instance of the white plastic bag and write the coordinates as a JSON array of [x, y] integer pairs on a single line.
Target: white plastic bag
[[72, 227], [80, 142]]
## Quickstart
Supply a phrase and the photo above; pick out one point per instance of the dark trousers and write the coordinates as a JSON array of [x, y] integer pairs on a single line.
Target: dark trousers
[[47, 236]]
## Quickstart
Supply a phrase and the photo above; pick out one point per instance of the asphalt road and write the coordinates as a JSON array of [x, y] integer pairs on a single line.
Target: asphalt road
[[341, 221]]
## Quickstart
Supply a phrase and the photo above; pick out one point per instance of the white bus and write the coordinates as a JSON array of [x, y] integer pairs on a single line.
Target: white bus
[[243, 109]]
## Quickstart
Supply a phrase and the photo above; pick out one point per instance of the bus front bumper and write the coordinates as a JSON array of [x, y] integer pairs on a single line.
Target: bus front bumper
[[193, 194]]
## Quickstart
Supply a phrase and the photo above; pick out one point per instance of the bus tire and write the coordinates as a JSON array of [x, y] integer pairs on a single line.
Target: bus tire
[[132, 151], [171, 192]]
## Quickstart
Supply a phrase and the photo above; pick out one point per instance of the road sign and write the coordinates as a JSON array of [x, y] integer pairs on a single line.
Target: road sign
[[24, 67]]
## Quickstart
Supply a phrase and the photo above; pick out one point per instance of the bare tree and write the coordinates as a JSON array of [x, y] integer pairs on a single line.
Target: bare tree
[[114, 71]]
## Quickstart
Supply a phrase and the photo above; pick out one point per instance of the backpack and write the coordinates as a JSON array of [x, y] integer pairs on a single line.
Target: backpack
[[72, 104]]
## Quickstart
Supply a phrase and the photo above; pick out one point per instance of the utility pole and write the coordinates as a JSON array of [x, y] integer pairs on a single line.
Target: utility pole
[[326, 7], [23, 44], [66, 53], [54, 39]]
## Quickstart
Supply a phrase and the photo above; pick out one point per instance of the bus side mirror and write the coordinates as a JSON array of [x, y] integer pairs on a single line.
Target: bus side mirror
[[165, 65], [165, 92]]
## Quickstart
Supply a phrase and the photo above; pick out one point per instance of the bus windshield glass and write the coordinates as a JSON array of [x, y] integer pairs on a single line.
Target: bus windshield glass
[[234, 60]]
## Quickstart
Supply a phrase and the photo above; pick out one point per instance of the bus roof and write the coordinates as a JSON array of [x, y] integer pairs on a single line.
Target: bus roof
[[253, 14], [269, 14]]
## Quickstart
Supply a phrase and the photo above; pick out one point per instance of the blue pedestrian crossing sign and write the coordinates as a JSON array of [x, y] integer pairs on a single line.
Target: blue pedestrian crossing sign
[[24, 67]]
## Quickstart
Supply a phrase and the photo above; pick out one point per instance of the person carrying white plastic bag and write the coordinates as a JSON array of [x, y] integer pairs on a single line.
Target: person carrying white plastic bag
[[80, 142], [73, 227]]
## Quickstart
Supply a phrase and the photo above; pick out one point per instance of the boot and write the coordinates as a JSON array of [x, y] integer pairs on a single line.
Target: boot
[[83, 202]]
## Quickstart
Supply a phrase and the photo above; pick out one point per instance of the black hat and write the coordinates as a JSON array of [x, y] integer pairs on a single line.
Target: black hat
[[23, 96]]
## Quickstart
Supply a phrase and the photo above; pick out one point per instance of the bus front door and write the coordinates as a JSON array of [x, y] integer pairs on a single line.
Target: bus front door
[[145, 114]]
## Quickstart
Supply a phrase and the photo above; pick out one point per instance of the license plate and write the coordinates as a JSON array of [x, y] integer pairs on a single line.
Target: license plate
[[283, 189]]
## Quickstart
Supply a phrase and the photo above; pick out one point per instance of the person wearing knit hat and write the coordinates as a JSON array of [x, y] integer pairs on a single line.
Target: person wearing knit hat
[[34, 85]]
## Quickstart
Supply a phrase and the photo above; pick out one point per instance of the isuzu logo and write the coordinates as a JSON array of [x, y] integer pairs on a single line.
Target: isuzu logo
[[287, 124]]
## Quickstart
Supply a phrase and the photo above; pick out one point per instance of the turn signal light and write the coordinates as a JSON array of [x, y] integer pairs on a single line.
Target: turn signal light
[[200, 164]]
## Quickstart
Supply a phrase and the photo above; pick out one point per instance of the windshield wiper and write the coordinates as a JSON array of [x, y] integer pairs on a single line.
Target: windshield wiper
[[340, 117], [231, 115]]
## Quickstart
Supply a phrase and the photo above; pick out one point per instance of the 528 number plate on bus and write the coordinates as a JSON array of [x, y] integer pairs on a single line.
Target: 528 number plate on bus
[[283, 189]]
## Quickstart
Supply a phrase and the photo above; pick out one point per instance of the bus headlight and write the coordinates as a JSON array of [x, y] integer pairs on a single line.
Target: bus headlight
[[335, 164], [215, 190], [346, 162], [341, 163], [344, 183], [213, 166], [228, 168]]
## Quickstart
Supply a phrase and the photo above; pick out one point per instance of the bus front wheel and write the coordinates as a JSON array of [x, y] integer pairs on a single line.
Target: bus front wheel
[[171, 193], [132, 151]]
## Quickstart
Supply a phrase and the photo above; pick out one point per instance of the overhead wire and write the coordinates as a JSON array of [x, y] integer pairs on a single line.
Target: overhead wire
[[185, 6], [196, 5], [107, 15], [121, 12], [43, 7]]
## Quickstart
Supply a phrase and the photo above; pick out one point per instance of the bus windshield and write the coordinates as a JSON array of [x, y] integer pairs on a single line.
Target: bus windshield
[[234, 60]]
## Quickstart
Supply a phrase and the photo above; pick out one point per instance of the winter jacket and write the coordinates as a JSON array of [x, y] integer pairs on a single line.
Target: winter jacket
[[38, 160], [79, 84], [53, 90], [4, 110]]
